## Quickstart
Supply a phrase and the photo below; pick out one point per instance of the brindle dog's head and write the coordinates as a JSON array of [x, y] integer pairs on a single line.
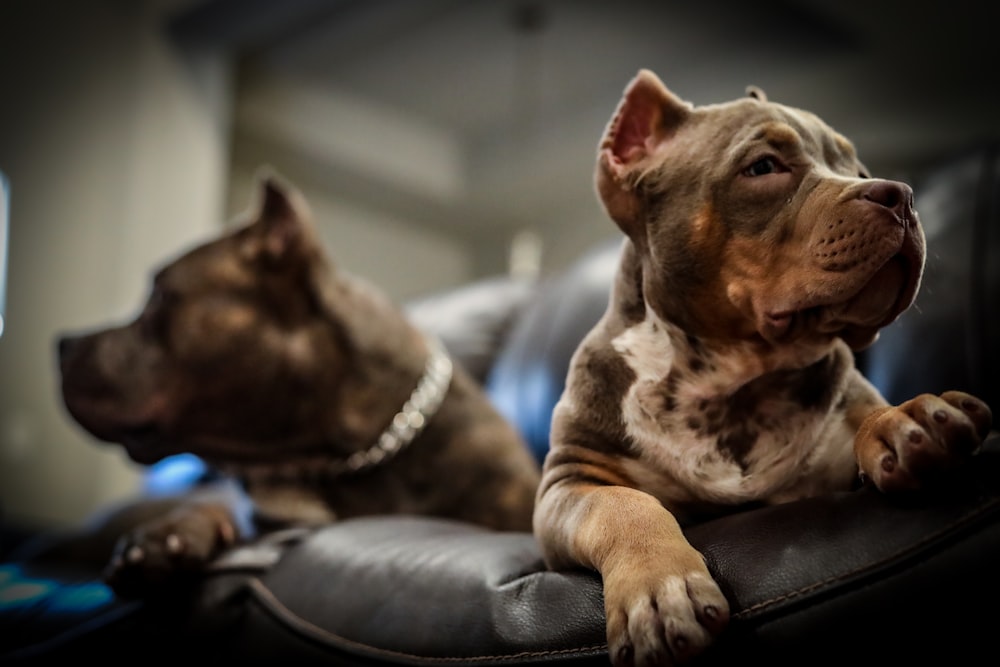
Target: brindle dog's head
[[250, 348], [756, 221]]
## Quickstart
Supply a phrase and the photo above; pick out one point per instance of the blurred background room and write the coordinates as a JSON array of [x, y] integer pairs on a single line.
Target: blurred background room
[[439, 142]]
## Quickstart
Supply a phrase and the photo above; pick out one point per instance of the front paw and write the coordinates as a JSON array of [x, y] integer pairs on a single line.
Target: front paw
[[907, 446], [662, 615], [168, 551]]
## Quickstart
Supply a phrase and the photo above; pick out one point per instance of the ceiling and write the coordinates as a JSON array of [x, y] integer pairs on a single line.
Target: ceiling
[[483, 117]]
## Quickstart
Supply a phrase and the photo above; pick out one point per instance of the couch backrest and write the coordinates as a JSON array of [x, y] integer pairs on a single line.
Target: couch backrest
[[950, 337], [530, 369]]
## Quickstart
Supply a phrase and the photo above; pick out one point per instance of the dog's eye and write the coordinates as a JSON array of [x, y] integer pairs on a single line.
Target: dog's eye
[[763, 167]]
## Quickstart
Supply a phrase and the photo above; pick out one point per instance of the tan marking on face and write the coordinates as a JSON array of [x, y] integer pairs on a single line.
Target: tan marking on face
[[781, 136], [844, 145], [751, 268], [707, 234], [233, 319], [299, 349], [713, 306], [203, 331]]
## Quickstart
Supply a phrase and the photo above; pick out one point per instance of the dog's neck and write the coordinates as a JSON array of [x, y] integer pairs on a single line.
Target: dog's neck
[[402, 430], [709, 367]]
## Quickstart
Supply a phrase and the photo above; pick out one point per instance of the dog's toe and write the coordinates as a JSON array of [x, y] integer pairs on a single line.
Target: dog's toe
[[906, 447], [973, 409], [670, 624], [174, 544], [691, 612]]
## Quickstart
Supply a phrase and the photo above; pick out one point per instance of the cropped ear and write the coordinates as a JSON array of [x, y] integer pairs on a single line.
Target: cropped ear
[[647, 117], [756, 93], [281, 219]]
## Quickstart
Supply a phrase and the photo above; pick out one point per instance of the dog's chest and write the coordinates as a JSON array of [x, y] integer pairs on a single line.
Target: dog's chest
[[719, 428]]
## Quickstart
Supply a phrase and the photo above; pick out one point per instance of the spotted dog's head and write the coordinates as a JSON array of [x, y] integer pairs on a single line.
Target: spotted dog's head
[[756, 221]]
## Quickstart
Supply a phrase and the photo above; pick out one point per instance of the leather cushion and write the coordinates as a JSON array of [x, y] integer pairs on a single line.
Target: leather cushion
[[408, 590]]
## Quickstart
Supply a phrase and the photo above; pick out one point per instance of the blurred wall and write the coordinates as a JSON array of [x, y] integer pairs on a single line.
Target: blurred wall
[[116, 150]]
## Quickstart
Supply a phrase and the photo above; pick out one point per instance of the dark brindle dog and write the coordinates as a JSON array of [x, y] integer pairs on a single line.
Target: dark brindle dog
[[309, 385], [758, 253]]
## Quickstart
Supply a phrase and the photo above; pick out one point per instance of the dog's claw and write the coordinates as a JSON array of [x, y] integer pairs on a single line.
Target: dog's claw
[[135, 554], [713, 618], [174, 544], [169, 550]]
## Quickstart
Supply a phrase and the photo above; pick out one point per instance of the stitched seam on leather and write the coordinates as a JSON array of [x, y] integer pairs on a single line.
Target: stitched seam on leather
[[271, 604], [955, 525]]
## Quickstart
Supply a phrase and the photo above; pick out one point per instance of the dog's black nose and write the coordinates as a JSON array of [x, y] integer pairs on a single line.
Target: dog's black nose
[[895, 196]]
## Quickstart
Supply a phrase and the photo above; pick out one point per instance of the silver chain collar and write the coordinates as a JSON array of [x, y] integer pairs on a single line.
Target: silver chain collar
[[411, 420], [405, 426]]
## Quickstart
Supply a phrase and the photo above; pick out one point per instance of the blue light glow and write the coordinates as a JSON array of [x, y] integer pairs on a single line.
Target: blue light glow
[[18, 591], [174, 474]]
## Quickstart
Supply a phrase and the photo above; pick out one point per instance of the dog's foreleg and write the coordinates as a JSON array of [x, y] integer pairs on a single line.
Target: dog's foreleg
[[662, 604], [180, 543]]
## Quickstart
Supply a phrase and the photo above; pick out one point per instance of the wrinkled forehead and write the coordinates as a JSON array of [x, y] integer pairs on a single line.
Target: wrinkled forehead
[[209, 265], [751, 123]]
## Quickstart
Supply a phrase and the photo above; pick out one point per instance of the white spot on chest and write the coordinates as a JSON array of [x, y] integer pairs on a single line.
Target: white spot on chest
[[666, 411]]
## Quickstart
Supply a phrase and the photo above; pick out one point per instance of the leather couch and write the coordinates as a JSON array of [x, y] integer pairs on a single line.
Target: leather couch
[[853, 577]]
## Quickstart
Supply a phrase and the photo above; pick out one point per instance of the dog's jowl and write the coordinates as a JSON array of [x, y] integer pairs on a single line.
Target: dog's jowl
[[306, 383], [757, 253]]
